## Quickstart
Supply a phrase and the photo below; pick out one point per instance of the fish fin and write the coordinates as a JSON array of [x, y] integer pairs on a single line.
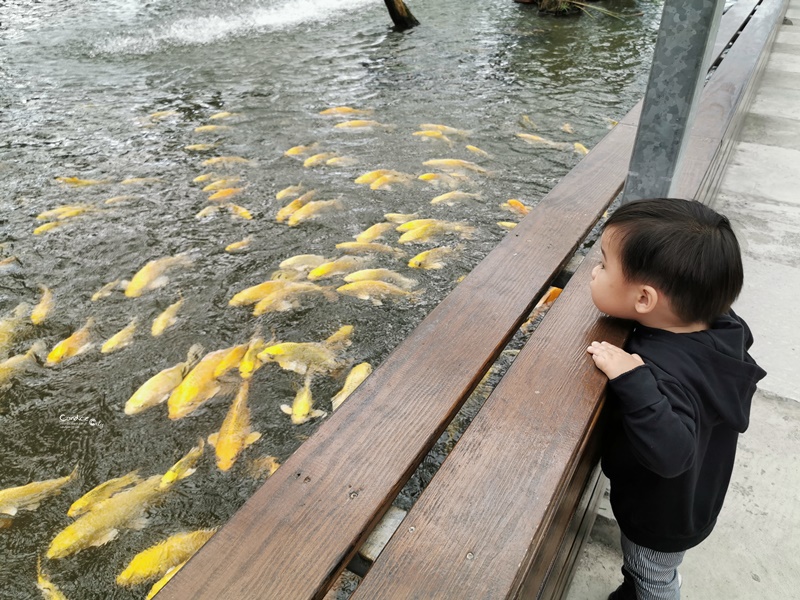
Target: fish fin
[[31, 506], [185, 474], [284, 408], [10, 511], [317, 413], [375, 301], [108, 536], [123, 285], [212, 439], [252, 438], [158, 282]]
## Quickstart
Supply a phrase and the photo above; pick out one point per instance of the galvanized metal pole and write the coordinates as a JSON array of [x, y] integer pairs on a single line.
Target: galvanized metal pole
[[680, 63]]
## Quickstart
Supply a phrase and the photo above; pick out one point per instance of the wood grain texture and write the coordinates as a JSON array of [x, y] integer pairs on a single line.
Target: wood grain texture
[[477, 529], [296, 533]]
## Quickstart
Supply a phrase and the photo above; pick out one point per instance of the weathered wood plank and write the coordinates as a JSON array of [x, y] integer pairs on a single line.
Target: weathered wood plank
[[479, 526], [292, 538]]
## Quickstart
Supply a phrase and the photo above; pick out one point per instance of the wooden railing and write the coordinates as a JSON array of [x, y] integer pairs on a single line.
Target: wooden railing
[[506, 514]]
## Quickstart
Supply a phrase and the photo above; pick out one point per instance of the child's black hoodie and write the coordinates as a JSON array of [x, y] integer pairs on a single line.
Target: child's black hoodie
[[671, 442]]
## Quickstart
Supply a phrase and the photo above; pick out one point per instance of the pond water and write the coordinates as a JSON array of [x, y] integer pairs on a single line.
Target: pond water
[[78, 81]]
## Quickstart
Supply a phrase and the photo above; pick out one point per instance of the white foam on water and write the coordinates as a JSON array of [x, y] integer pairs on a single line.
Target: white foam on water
[[212, 28]]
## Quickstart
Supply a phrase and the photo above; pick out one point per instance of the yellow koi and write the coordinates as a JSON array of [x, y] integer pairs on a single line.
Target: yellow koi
[[235, 433], [226, 160], [47, 227], [239, 211], [433, 135], [223, 193], [10, 325], [166, 319], [312, 210], [438, 179], [302, 357], [454, 163], [450, 198], [232, 359], [525, 121], [121, 339], [360, 123], [55, 213], [346, 110], [197, 387], [371, 176], [444, 129], [240, 245], [354, 378], [140, 180], [400, 217], [199, 147], [370, 234], [162, 114], [476, 150], [286, 298], [211, 128], [75, 344], [250, 362], [184, 467], [101, 492], [255, 293], [21, 362], [222, 115], [345, 264], [106, 290], [375, 290], [123, 510], [41, 310], [507, 224], [381, 275], [567, 128], [293, 206], [221, 184], [292, 190], [316, 159], [516, 206], [580, 148], [151, 276], [158, 388], [302, 409], [428, 231], [207, 212], [369, 248], [156, 560], [76, 181], [204, 177], [385, 182], [303, 262], [49, 589], [29, 496], [431, 259], [300, 150], [264, 466]]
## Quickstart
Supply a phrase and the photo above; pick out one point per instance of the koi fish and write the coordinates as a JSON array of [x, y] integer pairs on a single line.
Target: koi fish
[[101, 492], [157, 560], [431, 259], [300, 150], [151, 276], [235, 433], [312, 210], [346, 110], [74, 345], [381, 275], [302, 409], [376, 291], [41, 310], [354, 378], [29, 496], [166, 319], [121, 339], [158, 388]]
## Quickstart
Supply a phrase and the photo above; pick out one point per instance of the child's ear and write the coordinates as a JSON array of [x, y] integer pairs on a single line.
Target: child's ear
[[646, 300]]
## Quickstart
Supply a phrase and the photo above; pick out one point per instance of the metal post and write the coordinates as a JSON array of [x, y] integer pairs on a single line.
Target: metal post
[[680, 63]]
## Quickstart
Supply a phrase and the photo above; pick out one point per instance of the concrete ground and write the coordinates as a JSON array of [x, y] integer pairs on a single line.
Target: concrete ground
[[754, 552]]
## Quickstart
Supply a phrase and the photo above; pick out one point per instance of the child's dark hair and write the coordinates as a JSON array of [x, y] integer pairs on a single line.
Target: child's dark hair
[[685, 250]]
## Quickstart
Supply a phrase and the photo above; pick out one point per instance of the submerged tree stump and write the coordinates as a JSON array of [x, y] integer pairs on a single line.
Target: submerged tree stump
[[401, 16]]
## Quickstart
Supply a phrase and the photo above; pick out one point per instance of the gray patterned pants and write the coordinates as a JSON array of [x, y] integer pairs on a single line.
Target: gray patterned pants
[[654, 573]]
